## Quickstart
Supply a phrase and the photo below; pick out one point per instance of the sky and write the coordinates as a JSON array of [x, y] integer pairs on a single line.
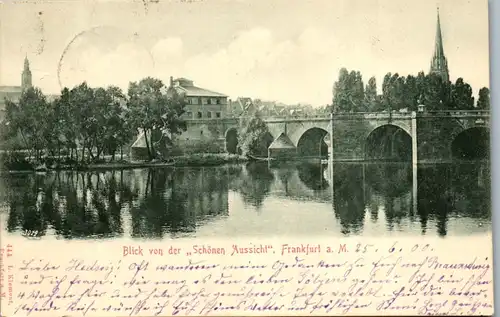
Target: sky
[[284, 50]]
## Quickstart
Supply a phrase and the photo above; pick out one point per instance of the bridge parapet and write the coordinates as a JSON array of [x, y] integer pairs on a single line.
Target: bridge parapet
[[354, 115], [455, 113]]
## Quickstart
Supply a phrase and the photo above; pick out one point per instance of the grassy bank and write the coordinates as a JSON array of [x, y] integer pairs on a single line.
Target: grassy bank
[[199, 159]]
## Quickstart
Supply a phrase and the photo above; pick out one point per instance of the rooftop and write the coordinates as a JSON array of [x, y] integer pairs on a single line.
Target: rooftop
[[187, 87], [193, 91], [282, 142]]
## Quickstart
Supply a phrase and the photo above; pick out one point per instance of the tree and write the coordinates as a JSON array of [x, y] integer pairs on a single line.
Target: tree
[[153, 112], [253, 132], [483, 101], [357, 93], [119, 130], [348, 92], [67, 124], [411, 93], [431, 92], [371, 99], [393, 92], [340, 101], [29, 119], [85, 104], [461, 96]]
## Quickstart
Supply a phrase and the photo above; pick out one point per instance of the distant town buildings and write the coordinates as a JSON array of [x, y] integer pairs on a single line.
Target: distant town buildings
[[249, 106]]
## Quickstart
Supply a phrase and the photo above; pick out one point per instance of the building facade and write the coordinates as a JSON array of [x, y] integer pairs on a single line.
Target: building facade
[[201, 103]]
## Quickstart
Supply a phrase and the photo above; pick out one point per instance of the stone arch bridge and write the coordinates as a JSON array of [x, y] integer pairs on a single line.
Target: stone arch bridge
[[417, 136]]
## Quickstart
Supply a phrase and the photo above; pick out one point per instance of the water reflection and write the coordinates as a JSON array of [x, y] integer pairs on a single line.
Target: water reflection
[[253, 199]]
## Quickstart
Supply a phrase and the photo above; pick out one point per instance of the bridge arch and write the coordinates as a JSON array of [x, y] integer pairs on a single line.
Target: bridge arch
[[471, 144], [388, 142], [313, 142], [231, 140]]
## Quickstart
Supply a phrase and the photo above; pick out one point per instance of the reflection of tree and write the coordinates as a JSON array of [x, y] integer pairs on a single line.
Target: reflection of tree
[[392, 185], [348, 196], [284, 174], [232, 174], [256, 183], [74, 205], [151, 214], [312, 175], [446, 191], [83, 205], [177, 201]]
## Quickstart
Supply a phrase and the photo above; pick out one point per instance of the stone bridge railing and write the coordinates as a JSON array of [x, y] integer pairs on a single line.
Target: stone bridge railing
[[355, 115]]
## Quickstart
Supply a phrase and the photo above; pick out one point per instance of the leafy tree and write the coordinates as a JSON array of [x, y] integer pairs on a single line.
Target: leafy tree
[[437, 93], [153, 112], [411, 93], [358, 94], [461, 96], [393, 92], [29, 119], [86, 104], [483, 101], [119, 130], [371, 99], [348, 92], [67, 113], [253, 132]]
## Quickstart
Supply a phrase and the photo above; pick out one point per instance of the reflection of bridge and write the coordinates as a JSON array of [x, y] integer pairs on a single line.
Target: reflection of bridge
[[417, 136]]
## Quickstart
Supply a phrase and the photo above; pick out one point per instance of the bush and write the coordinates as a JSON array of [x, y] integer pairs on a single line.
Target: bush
[[197, 147], [15, 160]]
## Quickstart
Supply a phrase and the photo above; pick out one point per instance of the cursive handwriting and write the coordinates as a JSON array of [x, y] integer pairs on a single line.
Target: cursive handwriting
[[421, 283]]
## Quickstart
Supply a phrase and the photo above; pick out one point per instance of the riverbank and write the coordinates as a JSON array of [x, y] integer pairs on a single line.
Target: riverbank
[[193, 160]]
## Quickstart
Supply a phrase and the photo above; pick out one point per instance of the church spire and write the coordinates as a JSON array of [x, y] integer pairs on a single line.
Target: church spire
[[26, 75], [439, 64]]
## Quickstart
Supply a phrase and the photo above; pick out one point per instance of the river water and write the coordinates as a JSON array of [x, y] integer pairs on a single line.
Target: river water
[[256, 199]]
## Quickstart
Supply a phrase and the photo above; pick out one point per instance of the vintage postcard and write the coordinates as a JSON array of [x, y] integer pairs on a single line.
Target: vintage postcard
[[245, 157]]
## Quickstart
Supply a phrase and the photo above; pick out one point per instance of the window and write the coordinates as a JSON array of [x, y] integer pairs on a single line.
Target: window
[[209, 114], [217, 114], [218, 101], [213, 101], [204, 101], [200, 115], [194, 101]]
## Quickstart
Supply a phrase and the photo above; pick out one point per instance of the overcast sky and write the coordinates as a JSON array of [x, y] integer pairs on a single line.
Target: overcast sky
[[286, 50]]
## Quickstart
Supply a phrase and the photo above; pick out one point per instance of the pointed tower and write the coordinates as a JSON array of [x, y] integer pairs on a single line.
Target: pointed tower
[[26, 75], [439, 64]]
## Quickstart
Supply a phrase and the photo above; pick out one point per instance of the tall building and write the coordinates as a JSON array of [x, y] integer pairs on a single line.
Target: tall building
[[13, 93], [26, 75], [439, 64]]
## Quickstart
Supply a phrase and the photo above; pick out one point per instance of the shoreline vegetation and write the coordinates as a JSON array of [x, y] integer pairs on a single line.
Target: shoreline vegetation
[[191, 160]]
